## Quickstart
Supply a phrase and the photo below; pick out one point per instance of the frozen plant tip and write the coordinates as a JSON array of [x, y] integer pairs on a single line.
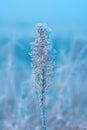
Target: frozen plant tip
[[43, 65]]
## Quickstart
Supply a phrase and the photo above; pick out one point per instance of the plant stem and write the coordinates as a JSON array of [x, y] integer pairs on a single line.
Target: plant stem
[[43, 101]]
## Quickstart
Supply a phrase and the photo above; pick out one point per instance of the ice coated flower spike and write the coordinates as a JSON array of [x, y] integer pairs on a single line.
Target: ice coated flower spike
[[42, 65]]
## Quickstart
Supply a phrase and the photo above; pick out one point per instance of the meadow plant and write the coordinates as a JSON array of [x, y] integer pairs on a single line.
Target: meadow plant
[[43, 66]]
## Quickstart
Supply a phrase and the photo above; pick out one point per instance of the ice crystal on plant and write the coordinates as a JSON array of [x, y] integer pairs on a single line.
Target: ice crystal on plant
[[42, 64]]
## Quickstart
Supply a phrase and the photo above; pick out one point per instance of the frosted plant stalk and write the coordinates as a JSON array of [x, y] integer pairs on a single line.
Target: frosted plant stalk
[[43, 66]]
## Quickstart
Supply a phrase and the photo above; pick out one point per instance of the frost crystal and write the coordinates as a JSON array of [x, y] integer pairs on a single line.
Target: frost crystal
[[42, 65]]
